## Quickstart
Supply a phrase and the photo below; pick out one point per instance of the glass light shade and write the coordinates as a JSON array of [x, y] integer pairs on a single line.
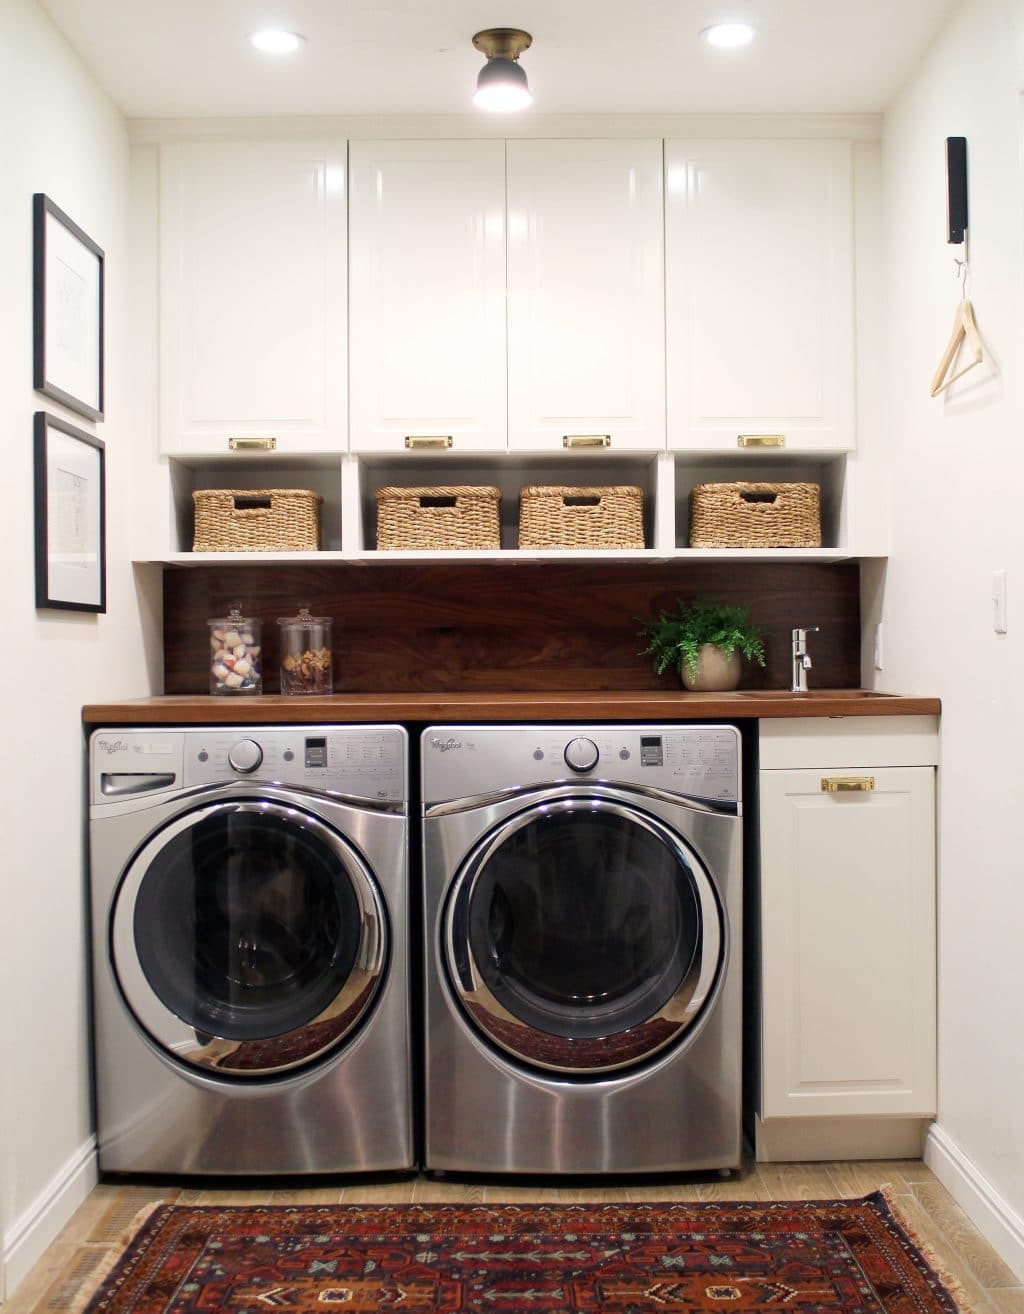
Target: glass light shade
[[274, 41], [728, 36], [501, 86]]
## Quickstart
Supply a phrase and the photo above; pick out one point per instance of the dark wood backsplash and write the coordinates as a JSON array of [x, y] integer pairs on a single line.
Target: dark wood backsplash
[[510, 626]]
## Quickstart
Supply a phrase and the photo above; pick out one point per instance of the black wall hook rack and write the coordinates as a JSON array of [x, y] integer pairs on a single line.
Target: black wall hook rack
[[956, 189]]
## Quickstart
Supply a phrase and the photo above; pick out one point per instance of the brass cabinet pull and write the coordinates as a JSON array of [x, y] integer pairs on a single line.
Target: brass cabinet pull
[[432, 440], [586, 440], [761, 440], [252, 444], [847, 784]]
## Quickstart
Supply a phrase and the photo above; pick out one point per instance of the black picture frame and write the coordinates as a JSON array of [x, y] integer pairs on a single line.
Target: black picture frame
[[67, 311], [70, 516]]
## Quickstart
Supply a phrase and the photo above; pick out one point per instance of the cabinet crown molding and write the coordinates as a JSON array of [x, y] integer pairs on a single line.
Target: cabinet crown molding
[[854, 127]]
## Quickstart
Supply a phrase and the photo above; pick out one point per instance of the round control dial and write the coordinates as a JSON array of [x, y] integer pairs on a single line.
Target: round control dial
[[245, 756], [581, 754]]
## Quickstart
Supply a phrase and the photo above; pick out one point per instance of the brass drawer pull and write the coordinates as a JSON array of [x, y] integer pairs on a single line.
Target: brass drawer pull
[[761, 440], [431, 440], [847, 784], [586, 440], [252, 444]]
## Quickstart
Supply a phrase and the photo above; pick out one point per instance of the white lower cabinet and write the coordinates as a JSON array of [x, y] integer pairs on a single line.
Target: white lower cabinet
[[847, 934]]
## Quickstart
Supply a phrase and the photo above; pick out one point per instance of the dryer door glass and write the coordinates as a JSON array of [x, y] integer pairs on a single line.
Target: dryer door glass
[[248, 938], [584, 937]]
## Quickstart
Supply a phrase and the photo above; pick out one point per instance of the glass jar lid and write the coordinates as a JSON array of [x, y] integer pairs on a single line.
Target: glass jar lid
[[234, 617], [304, 620]]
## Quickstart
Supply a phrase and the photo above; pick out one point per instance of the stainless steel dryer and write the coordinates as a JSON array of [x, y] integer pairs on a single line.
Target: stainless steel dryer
[[583, 900], [249, 949]]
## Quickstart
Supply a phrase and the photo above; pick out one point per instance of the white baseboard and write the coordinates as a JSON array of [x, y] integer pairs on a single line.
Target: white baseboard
[[998, 1223], [28, 1236]]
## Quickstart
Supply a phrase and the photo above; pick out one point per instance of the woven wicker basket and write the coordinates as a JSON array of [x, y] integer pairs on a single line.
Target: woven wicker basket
[[755, 515], [556, 517], [256, 520], [445, 518]]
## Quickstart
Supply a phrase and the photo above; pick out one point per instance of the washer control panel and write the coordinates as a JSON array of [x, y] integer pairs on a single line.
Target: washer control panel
[[693, 761], [362, 762]]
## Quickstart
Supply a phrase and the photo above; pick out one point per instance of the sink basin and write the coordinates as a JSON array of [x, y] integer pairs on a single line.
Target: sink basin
[[813, 693]]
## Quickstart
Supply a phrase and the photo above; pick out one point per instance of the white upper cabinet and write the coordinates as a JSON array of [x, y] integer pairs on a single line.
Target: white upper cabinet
[[253, 297], [427, 287], [585, 295], [759, 295]]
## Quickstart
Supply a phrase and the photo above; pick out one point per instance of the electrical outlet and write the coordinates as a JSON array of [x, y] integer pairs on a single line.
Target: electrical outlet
[[999, 601], [878, 647]]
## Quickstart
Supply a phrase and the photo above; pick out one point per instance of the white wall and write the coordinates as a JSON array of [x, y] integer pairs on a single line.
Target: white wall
[[62, 136], [958, 467]]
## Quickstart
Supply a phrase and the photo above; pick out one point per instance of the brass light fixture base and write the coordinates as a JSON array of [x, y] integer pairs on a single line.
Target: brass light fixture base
[[503, 42]]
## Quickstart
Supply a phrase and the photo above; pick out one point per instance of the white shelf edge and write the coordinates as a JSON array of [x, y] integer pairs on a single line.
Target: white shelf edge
[[510, 555], [765, 554]]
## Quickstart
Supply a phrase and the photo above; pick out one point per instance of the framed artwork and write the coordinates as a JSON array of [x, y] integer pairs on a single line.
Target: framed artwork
[[70, 503], [67, 304]]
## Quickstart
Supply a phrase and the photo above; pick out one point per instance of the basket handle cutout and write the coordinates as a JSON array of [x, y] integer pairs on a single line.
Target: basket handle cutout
[[438, 501], [252, 503], [760, 497], [581, 501]]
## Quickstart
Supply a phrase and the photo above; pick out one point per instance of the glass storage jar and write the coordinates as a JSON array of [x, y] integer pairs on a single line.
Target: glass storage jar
[[235, 666], [305, 653]]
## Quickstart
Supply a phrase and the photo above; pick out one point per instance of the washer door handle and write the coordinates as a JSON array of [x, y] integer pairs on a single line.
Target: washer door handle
[[118, 784]]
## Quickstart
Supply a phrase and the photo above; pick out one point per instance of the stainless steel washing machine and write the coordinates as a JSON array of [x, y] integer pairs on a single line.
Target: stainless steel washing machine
[[249, 949], [583, 902]]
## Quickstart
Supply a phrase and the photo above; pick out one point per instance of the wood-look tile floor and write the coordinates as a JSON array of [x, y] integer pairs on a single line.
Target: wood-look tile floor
[[988, 1285]]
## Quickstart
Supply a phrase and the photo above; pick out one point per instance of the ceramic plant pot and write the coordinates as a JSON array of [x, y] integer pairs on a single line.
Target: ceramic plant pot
[[716, 672]]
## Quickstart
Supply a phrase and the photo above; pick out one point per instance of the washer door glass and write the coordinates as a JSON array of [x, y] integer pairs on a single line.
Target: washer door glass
[[583, 937], [248, 938]]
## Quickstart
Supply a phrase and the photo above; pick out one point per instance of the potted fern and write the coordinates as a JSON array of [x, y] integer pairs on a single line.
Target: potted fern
[[704, 642]]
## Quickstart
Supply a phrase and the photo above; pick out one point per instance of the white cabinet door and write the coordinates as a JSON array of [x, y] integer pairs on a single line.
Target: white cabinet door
[[253, 295], [759, 294], [848, 944], [585, 302], [427, 282]]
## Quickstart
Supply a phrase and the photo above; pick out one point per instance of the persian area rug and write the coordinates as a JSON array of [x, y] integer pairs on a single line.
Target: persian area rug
[[829, 1257]]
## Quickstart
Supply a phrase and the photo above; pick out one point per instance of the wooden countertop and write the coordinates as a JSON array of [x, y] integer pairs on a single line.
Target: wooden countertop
[[586, 705]]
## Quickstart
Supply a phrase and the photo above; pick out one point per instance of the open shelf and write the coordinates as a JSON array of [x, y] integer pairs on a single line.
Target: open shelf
[[509, 473], [348, 485], [321, 474], [828, 472]]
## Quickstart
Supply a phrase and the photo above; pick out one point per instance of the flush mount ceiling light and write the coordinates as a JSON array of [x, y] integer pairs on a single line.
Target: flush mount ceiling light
[[728, 36], [501, 84], [275, 41]]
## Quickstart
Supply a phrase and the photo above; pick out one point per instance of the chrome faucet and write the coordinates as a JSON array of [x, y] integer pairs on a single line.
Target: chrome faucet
[[801, 659]]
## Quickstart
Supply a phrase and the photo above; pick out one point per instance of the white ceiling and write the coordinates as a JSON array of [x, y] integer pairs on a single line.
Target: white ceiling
[[186, 58]]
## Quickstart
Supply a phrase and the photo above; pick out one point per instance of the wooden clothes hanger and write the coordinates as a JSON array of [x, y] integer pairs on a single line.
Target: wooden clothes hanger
[[964, 327]]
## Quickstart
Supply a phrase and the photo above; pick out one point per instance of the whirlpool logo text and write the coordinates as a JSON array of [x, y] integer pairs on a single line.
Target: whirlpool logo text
[[112, 745], [444, 745]]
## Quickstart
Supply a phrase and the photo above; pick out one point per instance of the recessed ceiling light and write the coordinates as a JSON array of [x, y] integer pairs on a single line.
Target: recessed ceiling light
[[274, 41], [728, 36]]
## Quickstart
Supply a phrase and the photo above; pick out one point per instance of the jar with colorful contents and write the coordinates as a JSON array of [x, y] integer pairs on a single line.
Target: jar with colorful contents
[[235, 666], [305, 653]]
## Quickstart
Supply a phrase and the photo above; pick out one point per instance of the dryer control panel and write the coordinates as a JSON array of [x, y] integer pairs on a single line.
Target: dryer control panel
[[362, 762], [700, 762]]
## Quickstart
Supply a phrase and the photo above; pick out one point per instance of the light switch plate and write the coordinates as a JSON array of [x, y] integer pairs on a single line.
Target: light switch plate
[[999, 601]]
